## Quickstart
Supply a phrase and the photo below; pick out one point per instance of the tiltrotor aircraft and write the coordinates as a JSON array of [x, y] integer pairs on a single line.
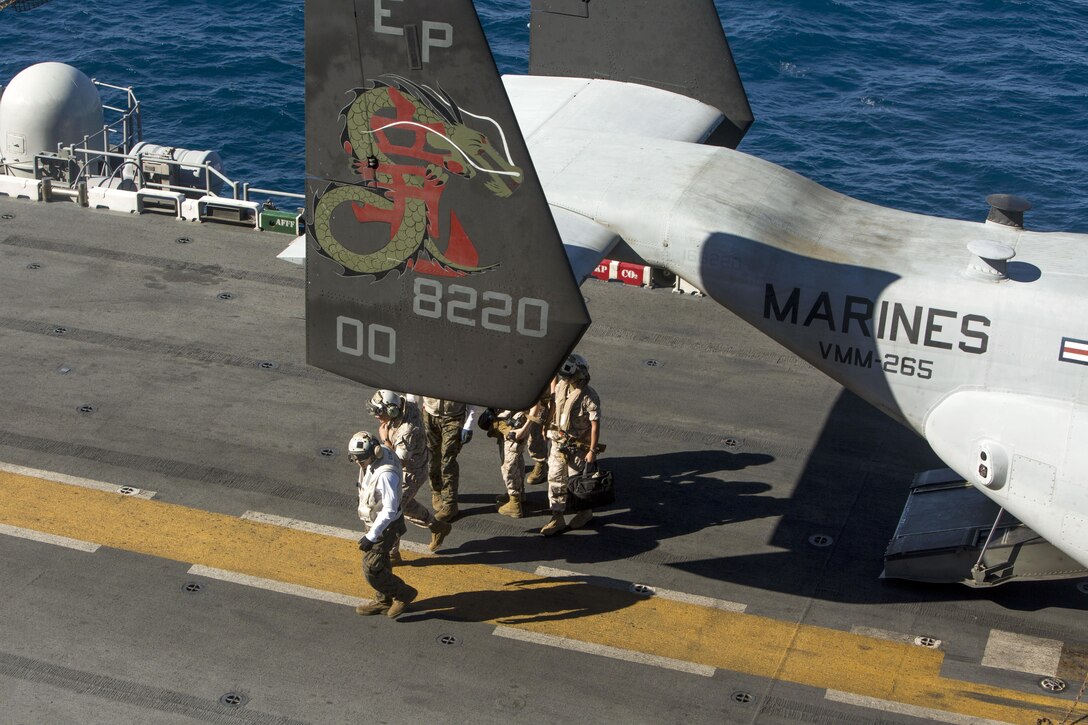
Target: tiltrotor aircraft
[[453, 214]]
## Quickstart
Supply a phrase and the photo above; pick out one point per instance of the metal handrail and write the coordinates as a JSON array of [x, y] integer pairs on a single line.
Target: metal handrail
[[129, 126], [272, 192]]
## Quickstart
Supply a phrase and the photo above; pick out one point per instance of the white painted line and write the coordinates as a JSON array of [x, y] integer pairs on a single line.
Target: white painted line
[[1020, 653], [883, 634], [275, 586], [646, 590], [75, 481], [901, 708], [334, 531], [916, 640], [300, 525], [604, 651], [49, 538]]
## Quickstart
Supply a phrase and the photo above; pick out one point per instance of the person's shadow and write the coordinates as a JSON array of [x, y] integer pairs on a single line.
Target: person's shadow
[[526, 600], [646, 488]]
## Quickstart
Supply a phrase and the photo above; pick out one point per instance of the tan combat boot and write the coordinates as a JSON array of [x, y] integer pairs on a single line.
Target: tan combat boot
[[556, 526], [581, 518], [439, 530], [512, 507], [539, 474], [447, 512], [401, 601], [371, 608]]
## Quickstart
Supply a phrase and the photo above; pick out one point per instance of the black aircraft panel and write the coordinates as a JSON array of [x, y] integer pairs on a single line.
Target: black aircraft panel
[[433, 265]]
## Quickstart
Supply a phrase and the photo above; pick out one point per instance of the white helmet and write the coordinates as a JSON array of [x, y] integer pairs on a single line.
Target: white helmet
[[363, 447], [574, 366], [387, 403]]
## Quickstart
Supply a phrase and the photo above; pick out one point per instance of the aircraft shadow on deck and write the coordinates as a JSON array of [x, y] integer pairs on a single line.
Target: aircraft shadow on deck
[[852, 489]]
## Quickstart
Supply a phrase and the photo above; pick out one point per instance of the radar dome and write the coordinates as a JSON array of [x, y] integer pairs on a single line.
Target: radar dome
[[45, 105]]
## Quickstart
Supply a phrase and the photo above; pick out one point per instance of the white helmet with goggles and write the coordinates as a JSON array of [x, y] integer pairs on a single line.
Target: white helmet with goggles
[[387, 403], [575, 366], [363, 447]]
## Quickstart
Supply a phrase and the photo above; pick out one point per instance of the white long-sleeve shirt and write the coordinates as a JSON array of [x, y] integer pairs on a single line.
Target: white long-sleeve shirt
[[379, 494]]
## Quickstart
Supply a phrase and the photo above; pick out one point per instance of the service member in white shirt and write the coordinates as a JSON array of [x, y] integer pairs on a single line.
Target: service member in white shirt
[[383, 523]]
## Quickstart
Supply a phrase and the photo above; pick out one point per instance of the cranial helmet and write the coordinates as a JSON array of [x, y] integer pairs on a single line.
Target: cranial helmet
[[387, 403], [575, 366], [363, 447]]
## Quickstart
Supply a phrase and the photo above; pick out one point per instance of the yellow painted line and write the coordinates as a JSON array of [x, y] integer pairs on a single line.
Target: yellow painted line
[[566, 607]]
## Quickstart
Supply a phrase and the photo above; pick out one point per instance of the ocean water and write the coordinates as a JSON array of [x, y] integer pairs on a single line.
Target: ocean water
[[927, 105]]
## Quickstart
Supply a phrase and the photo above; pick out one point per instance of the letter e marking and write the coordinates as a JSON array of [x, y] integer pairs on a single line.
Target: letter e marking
[[379, 13], [435, 34]]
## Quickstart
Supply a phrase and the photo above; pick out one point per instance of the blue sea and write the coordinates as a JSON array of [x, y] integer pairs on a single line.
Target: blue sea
[[927, 105]]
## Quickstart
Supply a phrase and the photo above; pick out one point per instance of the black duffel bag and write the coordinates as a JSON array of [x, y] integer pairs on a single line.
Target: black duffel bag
[[590, 490]]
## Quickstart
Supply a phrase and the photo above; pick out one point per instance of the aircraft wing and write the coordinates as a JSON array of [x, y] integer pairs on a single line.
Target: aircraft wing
[[433, 264]]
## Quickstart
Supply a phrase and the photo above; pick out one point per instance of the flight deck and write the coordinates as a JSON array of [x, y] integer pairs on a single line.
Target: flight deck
[[177, 526]]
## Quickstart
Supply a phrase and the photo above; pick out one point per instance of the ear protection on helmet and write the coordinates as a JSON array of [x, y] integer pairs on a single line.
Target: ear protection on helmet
[[363, 447], [387, 403]]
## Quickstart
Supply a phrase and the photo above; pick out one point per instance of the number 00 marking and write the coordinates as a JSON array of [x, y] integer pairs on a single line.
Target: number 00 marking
[[380, 341]]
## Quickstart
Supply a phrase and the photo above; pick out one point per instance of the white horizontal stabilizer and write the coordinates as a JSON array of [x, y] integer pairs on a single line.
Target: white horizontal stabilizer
[[295, 251], [603, 106]]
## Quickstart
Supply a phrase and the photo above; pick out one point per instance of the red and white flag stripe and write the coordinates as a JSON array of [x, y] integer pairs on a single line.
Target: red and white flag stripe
[[1074, 351]]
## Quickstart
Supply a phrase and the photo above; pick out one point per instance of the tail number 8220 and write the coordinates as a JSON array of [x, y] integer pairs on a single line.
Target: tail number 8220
[[494, 311]]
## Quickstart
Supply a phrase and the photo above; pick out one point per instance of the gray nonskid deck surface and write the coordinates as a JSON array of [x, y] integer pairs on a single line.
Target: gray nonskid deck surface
[[133, 358]]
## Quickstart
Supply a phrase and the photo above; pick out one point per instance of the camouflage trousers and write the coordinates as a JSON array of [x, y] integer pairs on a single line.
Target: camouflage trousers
[[537, 443], [559, 470], [444, 442], [414, 512], [377, 570], [512, 466]]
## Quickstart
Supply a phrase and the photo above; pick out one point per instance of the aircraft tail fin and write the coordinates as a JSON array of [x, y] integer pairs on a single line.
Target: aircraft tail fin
[[677, 45], [433, 263]]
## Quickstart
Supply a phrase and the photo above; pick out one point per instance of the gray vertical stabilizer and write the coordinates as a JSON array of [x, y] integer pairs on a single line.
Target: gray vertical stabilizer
[[677, 45], [433, 264]]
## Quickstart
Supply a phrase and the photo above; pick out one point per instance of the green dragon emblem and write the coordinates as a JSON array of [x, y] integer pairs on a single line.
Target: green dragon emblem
[[405, 141]]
